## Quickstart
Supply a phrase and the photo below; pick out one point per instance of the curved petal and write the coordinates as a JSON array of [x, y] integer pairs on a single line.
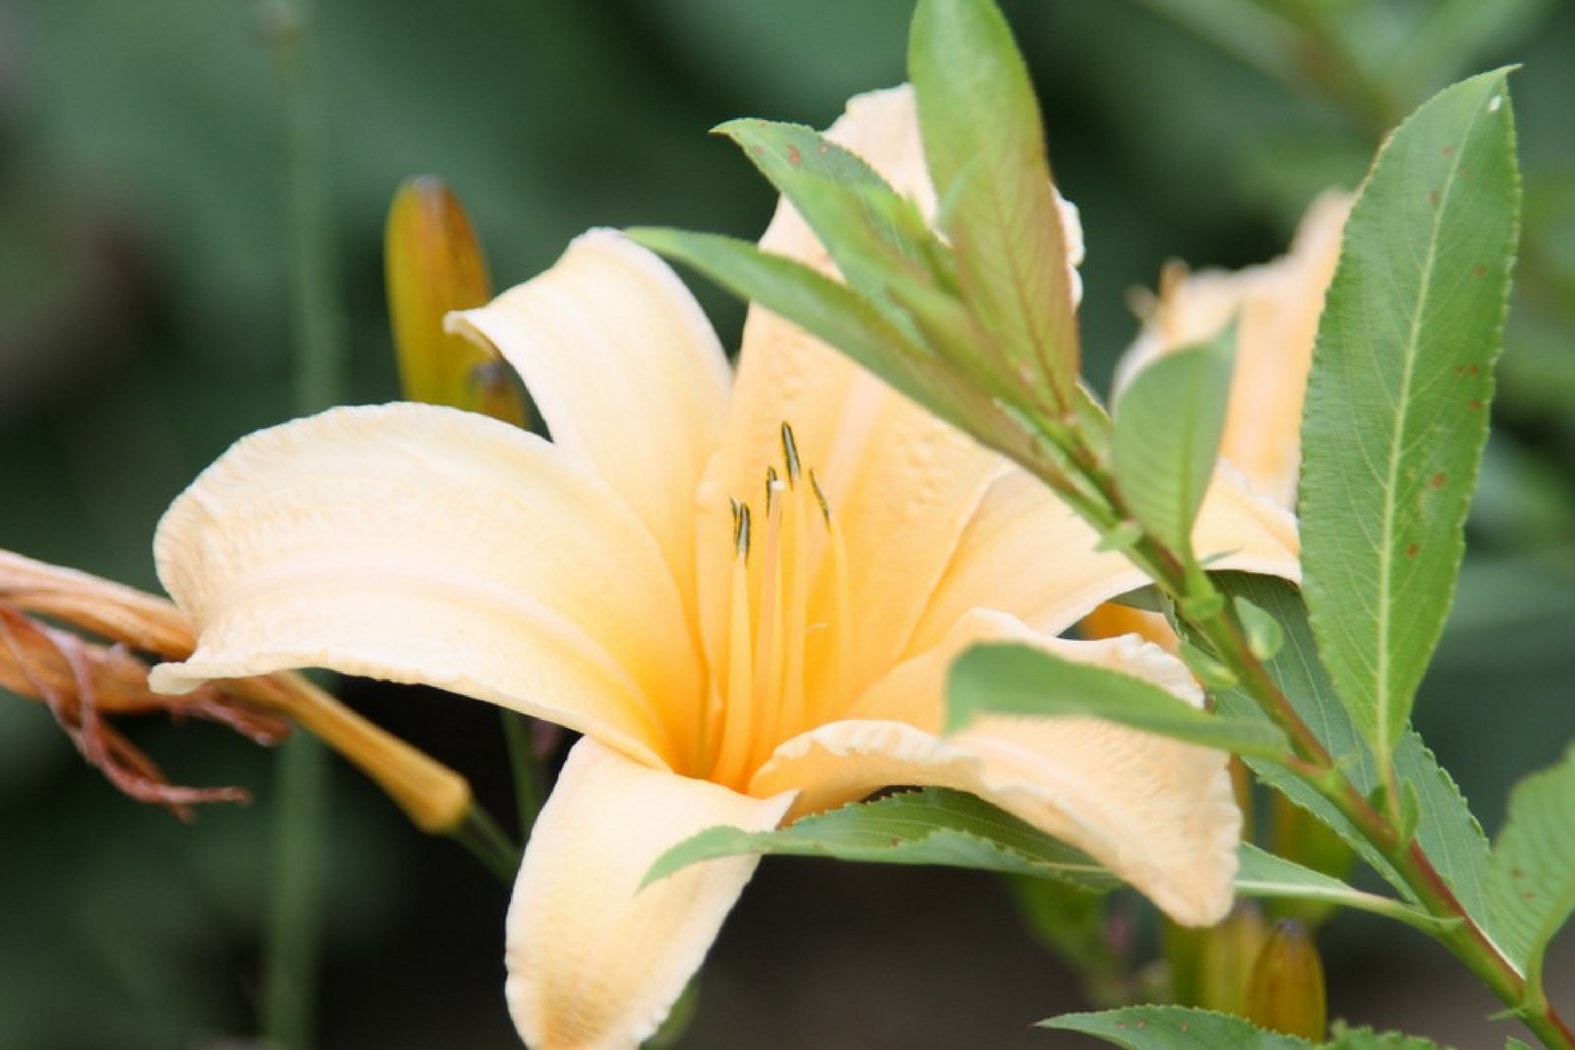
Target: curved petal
[[900, 482], [1157, 813], [626, 371], [595, 961], [1026, 553], [1276, 306], [422, 544]]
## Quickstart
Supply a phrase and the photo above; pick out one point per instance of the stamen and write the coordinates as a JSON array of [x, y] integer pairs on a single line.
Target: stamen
[[738, 713], [769, 630], [741, 529], [790, 454], [820, 497], [796, 614], [789, 657]]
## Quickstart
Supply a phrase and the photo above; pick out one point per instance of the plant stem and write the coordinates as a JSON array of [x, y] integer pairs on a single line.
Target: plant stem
[[525, 769], [480, 834], [301, 770], [291, 943], [1312, 762]]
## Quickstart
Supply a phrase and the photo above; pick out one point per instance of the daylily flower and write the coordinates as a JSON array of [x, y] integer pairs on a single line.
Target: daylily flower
[[1276, 307], [744, 593]]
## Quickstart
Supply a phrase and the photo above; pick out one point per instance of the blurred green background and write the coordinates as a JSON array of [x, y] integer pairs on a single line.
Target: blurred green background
[[144, 324]]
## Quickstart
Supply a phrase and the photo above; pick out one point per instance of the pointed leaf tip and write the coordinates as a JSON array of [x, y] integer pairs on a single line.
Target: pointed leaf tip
[[1397, 403], [984, 143]]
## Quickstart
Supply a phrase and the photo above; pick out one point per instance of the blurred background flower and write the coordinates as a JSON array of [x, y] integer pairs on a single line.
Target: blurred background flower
[[144, 324]]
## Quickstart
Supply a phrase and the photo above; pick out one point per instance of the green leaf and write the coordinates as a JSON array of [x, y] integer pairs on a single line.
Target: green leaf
[[1174, 1028], [1531, 877], [1019, 680], [1168, 425], [932, 826], [1446, 828], [1184, 1028], [865, 225], [825, 308], [1367, 1039], [1397, 402], [985, 148], [1264, 875], [1516, 1044], [897, 351]]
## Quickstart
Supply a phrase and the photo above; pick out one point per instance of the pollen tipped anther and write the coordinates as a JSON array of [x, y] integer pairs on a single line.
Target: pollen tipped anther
[[790, 454], [820, 497], [740, 528]]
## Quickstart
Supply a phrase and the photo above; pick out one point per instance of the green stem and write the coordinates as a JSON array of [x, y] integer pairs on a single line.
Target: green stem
[[480, 834], [528, 790], [319, 346], [292, 943], [290, 946], [1311, 761]]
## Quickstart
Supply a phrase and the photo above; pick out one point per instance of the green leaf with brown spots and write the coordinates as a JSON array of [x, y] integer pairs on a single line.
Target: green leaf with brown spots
[[1531, 878], [1397, 403]]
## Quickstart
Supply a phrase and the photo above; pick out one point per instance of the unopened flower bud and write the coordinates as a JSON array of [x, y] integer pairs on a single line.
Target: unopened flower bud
[[433, 264], [1286, 991], [1210, 967]]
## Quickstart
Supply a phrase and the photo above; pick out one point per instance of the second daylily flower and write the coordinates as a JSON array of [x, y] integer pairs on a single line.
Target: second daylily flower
[[745, 594]]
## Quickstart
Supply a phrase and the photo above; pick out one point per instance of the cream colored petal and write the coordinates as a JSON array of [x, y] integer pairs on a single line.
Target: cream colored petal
[[626, 371], [422, 544], [1276, 307], [594, 961], [900, 482], [1157, 813], [1026, 553], [901, 486]]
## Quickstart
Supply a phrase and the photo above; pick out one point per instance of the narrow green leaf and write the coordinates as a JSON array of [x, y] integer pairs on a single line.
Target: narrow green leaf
[[1174, 1028], [985, 148], [1516, 1044], [841, 317], [1397, 402], [1446, 828], [932, 826], [865, 225], [1263, 875], [1168, 425], [1007, 679], [1531, 877], [823, 307]]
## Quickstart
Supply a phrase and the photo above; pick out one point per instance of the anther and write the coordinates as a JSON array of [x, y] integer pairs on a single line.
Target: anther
[[820, 497], [790, 454], [741, 528]]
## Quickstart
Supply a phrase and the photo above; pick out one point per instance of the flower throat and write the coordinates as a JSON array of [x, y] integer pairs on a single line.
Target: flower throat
[[787, 645]]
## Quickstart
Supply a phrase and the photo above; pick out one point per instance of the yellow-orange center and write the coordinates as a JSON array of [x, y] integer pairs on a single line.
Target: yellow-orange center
[[788, 639]]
